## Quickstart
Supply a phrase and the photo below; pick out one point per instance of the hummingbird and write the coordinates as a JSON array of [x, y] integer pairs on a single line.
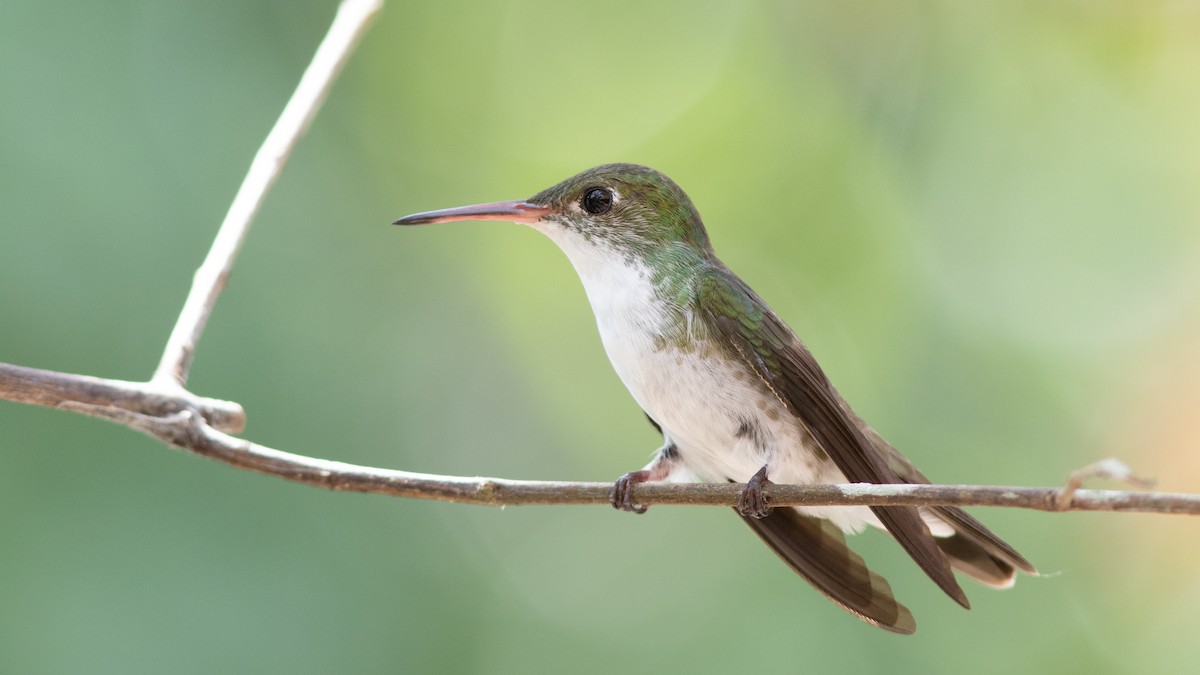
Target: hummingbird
[[735, 394]]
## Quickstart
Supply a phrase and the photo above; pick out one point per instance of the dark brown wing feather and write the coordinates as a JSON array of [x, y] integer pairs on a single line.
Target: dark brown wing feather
[[817, 551], [976, 552], [973, 549], [749, 330]]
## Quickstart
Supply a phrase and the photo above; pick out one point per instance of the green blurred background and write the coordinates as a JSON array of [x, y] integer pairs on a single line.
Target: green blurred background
[[982, 218]]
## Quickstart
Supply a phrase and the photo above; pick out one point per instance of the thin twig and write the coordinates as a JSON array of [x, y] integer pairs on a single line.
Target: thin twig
[[352, 19], [1112, 469]]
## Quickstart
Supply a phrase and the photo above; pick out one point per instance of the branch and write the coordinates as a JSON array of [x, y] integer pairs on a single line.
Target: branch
[[199, 425], [188, 431], [351, 21]]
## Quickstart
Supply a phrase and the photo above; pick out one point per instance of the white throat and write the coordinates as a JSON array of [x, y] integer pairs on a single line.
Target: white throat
[[618, 286]]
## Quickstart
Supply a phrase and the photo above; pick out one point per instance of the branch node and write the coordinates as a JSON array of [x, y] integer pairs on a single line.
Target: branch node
[[487, 490]]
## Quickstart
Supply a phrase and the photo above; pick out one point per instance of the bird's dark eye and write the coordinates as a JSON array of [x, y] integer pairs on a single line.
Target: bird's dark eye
[[597, 200]]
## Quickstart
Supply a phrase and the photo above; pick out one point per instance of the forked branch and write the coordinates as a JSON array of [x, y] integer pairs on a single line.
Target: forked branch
[[165, 410]]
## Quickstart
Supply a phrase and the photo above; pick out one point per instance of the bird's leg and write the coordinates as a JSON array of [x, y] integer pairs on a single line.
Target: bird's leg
[[751, 502], [658, 469]]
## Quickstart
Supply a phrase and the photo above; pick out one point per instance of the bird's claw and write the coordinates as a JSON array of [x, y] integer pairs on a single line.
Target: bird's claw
[[622, 492], [752, 502]]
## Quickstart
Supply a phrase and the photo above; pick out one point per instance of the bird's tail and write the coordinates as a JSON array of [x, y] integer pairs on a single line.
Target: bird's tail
[[976, 552], [971, 547], [817, 551]]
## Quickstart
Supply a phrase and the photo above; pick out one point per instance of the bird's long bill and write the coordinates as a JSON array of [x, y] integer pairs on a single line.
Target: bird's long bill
[[515, 211]]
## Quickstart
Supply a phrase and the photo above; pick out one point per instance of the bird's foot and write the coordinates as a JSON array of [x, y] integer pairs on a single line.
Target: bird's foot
[[622, 492], [752, 502]]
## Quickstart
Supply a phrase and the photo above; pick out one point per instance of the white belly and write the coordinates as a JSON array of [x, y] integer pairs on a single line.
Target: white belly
[[702, 403], [722, 425], [702, 400]]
